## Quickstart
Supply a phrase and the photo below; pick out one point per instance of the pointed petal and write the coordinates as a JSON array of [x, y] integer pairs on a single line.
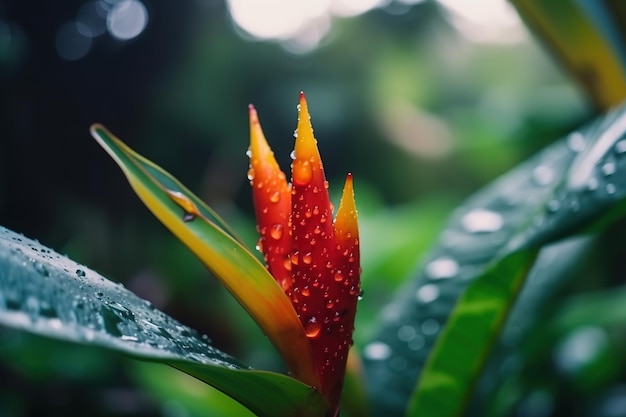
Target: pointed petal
[[322, 294], [238, 269], [272, 202]]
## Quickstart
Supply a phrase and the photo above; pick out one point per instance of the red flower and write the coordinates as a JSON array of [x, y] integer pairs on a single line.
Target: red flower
[[314, 259]]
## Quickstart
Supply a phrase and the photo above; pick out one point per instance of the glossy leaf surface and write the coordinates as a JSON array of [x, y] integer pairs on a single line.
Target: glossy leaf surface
[[48, 294], [577, 183], [240, 271]]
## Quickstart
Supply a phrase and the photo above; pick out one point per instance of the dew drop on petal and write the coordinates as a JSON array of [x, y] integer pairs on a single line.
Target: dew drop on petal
[[276, 231], [305, 291], [302, 172], [250, 174], [620, 147], [287, 264], [275, 197], [338, 276], [307, 258], [312, 328]]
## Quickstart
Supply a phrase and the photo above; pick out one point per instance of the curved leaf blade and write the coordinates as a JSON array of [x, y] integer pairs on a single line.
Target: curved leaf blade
[[48, 294], [240, 271], [577, 184], [472, 329]]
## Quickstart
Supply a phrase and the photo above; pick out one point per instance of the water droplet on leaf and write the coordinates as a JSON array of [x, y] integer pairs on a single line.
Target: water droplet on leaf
[[482, 221], [443, 267], [427, 293]]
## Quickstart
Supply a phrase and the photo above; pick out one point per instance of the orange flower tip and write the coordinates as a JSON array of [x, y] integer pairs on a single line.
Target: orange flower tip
[[306, 151], [254, 118]]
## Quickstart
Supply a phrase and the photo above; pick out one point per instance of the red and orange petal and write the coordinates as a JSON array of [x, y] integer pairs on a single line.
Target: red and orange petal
[[272, 202], [324, 254]]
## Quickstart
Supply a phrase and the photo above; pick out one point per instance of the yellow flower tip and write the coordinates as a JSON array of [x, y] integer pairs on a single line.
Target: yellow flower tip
[[346, 225], [263, 165], [307, 158]]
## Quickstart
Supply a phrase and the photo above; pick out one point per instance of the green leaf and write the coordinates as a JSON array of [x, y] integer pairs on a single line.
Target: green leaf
[[48, 294], [239, 270], [473, 326], [577, 184], [587, 38]]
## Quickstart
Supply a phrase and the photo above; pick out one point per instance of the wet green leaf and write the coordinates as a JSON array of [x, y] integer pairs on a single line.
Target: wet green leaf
[[231, 262], [577, 184], [48, 294]]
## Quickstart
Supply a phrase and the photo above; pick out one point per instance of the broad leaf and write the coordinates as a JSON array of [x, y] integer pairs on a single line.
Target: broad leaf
[[574, 184], [202, 231], [48, 294], [587, 38]]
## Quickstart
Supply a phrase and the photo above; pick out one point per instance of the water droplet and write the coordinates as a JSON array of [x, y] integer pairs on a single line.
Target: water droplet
[[80, 273], [307, 258], [377, 351], [610, 188], [190, 210], [576, 141], [360, 296], [543, 175], [580, 348], [305, 291], [443, 267], [430, 327], [251, 174], [592, 184], [553, 206], [312, 328], [276, 231], [417, 342], [338, 276], [294, 258], [427, 293], [406, 333], [130, 338], [620, 147], [330, 303], [608, 168], [39, 267], [249, 153], [287, 264], [302, 173], [275, 197], [482, 221], [585, 164]]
